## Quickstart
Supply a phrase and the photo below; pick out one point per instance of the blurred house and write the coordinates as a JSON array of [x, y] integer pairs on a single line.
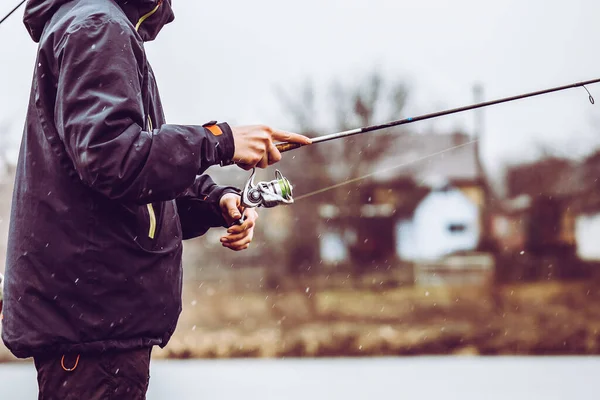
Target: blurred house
[[551, 215], [540, 212], [586, 207], [422, 203]]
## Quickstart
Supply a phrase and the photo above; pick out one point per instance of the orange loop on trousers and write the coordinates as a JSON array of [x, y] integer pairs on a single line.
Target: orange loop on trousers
[[62, 364]]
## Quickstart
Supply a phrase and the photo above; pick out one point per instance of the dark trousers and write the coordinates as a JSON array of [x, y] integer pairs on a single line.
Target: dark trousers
[[107, 376]]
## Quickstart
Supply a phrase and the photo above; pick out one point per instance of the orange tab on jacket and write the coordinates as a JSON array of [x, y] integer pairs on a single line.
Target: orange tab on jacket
[[213, 128]]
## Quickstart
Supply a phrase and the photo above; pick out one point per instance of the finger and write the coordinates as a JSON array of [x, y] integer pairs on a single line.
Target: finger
[[251, 216], [290, 137], [273, 154], [238, 243], [263, 163], [238, 248], [234, 237], [247, 224]]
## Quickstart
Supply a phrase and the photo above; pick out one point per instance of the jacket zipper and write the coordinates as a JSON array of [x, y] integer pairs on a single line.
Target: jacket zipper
[[151, 213], [148, 15]]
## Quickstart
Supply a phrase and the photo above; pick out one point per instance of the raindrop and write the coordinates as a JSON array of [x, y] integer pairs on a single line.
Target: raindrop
[[427, 294], [307, 289], [194, 302], [76, 280], [93, 47], [194, 327], [117, 371], [522, 252]]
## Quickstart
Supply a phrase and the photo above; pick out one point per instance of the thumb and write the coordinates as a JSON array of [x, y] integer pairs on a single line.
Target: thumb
[[232, 208], [233, 211]]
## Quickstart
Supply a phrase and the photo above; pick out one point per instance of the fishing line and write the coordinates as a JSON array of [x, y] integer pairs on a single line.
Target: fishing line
[[404, 164], [12, 11]]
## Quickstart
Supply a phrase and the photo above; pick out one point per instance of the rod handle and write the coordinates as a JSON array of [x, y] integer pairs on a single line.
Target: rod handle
[[283, 147]]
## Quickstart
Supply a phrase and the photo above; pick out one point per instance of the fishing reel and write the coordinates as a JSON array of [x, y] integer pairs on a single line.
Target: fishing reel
[[266, 194]]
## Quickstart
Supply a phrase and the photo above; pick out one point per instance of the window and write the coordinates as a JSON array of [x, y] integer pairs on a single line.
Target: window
[[457, 228]]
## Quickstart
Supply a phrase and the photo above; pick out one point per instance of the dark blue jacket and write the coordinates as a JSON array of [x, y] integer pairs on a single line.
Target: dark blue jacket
[[105, 189]]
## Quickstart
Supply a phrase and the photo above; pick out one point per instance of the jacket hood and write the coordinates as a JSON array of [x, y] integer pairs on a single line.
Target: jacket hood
[[39, 12]]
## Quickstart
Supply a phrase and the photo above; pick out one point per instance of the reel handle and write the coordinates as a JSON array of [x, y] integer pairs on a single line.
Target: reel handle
[[241, 220]]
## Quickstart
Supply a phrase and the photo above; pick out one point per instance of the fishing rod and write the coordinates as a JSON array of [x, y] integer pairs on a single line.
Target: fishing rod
[[283, 147], [12, 11], [279, 191]]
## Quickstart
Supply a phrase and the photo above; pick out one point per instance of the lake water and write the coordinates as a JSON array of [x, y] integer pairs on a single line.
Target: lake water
[[506, 378]]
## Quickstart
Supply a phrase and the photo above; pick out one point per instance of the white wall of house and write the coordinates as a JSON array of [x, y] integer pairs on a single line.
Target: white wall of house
[[444, 222], [333, 248], [587, 236]]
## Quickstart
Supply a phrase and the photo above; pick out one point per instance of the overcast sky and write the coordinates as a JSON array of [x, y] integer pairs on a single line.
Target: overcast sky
[[222, 59]]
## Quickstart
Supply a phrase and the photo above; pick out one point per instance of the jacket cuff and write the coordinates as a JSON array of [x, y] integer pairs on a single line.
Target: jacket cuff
[[224, 136]]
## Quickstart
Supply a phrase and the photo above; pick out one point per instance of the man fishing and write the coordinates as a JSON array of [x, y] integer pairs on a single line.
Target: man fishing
[[105, 192]]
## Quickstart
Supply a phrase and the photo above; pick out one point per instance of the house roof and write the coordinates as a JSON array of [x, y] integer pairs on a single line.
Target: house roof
[[429, 159], [572, 181], [551, 177]]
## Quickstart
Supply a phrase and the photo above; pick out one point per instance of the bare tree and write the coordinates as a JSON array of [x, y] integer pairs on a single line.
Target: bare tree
[[368, 101]]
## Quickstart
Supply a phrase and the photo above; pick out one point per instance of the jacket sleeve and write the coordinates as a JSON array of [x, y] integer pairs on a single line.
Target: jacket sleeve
[[198, 207], [100, 117]]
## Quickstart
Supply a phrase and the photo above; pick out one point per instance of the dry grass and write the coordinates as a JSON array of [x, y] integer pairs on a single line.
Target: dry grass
[[551, 318], [533, 319]]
